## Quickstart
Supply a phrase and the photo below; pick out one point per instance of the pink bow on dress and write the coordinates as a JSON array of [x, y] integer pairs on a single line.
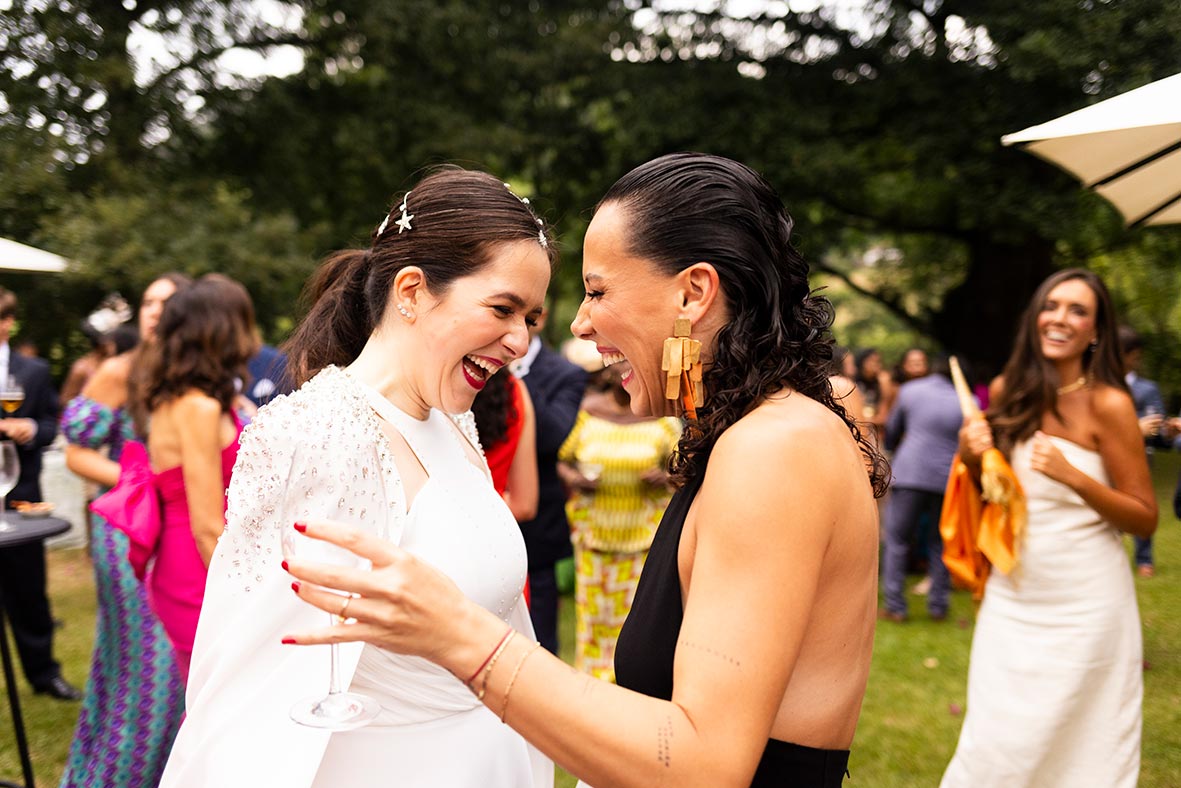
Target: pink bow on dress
[[133, 506]]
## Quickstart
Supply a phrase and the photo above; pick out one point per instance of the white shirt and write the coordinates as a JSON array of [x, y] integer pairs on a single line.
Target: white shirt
[[521, 368]]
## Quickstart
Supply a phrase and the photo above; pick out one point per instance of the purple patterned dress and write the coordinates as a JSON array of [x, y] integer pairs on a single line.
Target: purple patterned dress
[[134, 696]]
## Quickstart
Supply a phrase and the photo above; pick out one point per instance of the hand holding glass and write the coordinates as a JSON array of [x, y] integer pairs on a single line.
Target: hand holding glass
[[338, 710]]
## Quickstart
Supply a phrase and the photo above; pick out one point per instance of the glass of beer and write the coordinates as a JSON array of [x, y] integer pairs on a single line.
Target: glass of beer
[[12, 396]]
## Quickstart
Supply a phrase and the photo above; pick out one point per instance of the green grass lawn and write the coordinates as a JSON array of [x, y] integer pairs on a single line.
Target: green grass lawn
[[913, 707]]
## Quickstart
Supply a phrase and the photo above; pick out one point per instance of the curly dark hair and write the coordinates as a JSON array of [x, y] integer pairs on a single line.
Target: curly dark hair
[[205, 337], [458, 217], [684, 208]]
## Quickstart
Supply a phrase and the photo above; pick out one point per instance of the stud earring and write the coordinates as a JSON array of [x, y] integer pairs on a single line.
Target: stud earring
[[682, 365], [402, 310]]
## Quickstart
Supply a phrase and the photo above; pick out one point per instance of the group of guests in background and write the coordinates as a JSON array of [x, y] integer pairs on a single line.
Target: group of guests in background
[[155, 416]]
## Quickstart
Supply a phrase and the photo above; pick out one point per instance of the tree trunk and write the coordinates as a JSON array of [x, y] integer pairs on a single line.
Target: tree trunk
[[979, 318]]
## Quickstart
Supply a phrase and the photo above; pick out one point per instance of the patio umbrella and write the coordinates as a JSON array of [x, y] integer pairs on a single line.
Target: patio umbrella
[[1127, 148], [18, 257]]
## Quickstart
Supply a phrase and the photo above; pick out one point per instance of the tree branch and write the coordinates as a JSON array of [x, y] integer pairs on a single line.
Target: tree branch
[[287, 39], [921, 325]]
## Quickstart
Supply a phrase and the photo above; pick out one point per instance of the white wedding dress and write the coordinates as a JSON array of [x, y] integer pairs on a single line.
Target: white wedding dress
[[1055, 680], [431, 730]]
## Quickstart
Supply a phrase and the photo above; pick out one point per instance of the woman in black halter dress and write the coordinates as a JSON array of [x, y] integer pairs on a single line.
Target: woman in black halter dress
[[745, 656]]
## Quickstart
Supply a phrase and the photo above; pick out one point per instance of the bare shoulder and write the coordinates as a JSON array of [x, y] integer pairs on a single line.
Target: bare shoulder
[[1111, 402], [108, 384], [788, 445], [194, 414]]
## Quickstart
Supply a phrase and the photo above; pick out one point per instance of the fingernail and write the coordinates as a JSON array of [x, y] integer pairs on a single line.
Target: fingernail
[[288, 641], [295, 586], [301, 527], [284, 565]]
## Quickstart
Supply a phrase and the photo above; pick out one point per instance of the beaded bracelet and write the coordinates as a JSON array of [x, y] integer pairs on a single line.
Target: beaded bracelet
[[492, 664], [499, 643], [513, 678]]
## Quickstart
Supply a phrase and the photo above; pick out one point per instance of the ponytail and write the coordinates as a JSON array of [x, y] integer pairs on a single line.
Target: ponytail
[[339, 320]]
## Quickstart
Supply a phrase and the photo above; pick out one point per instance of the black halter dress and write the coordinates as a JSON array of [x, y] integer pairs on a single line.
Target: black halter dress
[[648, 641]]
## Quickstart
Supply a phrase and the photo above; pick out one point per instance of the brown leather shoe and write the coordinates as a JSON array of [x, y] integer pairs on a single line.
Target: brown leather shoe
[[885, 614], [1146, 570]]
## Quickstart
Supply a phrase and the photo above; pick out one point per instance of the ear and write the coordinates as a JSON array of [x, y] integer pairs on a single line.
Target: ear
[[699, 288], [410, 292]]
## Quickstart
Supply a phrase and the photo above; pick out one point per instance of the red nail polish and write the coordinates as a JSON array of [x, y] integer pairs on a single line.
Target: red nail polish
[[288, 641], [295, 586], [301, 527], [284, 565]]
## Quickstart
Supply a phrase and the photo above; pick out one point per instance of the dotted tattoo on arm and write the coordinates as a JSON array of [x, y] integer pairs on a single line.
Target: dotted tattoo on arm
[[664, 740], [713, 652]]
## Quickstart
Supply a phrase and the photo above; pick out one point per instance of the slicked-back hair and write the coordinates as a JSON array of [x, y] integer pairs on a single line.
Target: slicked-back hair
[[686, 208]]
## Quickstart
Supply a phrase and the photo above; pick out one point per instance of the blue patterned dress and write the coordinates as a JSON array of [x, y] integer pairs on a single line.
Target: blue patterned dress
[[134, 696]]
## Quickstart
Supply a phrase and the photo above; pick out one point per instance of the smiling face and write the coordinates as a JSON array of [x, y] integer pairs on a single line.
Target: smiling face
[[1066, 321], [628, 310], [152, 307], [475, 327]]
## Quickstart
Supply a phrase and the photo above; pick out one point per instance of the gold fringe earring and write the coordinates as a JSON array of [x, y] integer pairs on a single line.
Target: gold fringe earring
[[682, 366]]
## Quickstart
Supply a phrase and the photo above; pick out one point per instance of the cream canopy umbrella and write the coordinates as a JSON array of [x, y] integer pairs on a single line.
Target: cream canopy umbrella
[[1127, 148], [18, 257]]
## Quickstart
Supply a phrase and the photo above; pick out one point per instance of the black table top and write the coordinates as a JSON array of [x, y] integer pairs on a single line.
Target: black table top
[[31, 529]]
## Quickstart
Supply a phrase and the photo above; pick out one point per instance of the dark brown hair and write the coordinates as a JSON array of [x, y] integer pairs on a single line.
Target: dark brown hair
[[205, 337], [7, 303], [495, 410], [457, 216], [684, 208], [1031, 381]]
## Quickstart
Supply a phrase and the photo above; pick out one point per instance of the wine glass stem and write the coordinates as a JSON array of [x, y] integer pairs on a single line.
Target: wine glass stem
[[334, 670]]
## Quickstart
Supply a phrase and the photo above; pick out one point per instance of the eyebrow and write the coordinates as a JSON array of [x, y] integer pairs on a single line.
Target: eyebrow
[[590, 277], [513, 298]]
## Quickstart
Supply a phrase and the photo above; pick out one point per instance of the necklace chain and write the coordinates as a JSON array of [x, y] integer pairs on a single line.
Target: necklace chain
[[1082, 382]]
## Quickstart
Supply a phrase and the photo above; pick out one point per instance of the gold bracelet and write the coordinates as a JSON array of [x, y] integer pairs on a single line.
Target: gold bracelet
[[492, 663], [512, 679]]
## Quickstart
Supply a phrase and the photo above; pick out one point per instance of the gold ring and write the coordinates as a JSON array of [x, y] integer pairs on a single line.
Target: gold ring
[[344, 608]]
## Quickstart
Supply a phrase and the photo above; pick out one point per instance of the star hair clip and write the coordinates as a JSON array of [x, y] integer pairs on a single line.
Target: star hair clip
[[541, 239], [403, 222]]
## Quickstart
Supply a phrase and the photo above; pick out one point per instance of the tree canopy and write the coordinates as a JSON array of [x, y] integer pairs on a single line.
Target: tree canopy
[[879, 124]]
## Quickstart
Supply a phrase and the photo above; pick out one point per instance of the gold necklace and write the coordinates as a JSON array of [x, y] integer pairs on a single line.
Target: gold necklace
[[1082, 382]]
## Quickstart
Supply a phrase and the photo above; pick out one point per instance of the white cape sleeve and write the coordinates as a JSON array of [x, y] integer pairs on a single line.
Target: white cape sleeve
[[243, 681]]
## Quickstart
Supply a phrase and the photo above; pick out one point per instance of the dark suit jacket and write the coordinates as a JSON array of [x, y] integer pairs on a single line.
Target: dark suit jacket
[[40, 405], [556, 387]]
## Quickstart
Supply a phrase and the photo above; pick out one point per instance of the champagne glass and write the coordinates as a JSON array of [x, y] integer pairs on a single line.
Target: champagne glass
[[12, 395], [311, 484], [10, 471]]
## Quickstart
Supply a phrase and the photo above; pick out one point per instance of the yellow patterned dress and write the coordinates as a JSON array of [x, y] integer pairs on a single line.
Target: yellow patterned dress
[[612, 527]]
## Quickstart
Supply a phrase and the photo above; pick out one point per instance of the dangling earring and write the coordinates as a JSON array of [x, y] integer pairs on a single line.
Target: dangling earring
[[682, 365]]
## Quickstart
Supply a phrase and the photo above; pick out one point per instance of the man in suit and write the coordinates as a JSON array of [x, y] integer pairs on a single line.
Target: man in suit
[[1150, 410], [556, 387], [31, 427]]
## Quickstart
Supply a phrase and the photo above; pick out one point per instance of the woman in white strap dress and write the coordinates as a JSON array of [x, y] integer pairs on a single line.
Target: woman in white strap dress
[[1054, 686], [399, 340]]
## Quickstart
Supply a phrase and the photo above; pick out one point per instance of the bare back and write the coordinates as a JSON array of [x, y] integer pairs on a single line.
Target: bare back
[[824, 493]]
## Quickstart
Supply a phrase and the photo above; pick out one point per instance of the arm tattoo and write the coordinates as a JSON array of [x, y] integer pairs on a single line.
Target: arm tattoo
[[664, 740], [713, 652]]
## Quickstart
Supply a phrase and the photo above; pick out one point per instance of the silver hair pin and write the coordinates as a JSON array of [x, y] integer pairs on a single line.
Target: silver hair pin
[[404, 222], [541, 239]]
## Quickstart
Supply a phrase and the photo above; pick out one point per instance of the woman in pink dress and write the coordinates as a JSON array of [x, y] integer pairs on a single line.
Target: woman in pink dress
[[170, 499]]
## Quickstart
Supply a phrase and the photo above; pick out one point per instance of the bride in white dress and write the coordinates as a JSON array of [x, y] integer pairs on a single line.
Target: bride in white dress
[[399, 340], [1054, 686]]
